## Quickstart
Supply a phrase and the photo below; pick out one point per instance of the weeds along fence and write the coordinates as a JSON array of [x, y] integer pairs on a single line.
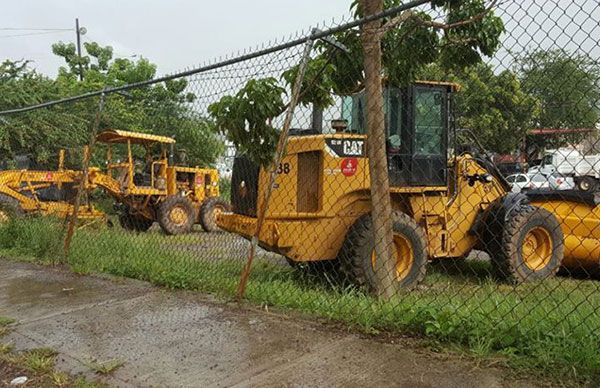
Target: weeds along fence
[[491, 114]]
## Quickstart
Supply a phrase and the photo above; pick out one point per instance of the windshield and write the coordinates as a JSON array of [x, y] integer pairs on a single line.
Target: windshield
[[354, 112]]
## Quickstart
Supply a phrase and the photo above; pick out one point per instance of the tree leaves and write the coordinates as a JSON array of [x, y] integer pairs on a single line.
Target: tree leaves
[[161, 109], [246, 117], [567, 86]]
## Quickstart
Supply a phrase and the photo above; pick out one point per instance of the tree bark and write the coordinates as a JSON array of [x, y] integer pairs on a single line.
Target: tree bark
[[376, 149]]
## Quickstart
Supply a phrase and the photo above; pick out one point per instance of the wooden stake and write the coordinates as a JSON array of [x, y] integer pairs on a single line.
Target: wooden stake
[[280, 151], [87, 151]]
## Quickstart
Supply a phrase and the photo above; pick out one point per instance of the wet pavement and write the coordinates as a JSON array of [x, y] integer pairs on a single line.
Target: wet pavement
[[176, 338]]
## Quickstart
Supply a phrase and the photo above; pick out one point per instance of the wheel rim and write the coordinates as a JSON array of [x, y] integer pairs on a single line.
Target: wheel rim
[[3, 217], [585, 186], [217, 211], [537, 248], [178, 216], [403, 254]]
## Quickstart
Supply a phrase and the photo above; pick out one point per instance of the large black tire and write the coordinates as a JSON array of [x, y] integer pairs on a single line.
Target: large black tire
[[176, 215], [410, 246], [530, 246], [587, 184], [9, 208], [134, 223], [209, 210]]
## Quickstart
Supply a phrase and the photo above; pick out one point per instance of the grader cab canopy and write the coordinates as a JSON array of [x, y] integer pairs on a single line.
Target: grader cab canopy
[[117, 136]]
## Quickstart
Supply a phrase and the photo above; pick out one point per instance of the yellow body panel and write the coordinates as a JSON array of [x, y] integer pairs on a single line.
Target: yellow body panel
[[580, 224]]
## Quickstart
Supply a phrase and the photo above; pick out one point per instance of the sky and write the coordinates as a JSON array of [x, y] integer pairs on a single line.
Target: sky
[[180, 34], [174, 34]]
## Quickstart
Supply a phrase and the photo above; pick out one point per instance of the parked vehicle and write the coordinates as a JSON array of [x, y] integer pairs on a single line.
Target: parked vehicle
[[520, 182], [534, 169], [560, 182], [324, 195], [584, 169], [175, 196]]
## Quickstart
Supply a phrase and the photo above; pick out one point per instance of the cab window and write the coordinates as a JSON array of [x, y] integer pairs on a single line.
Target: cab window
[[429, 122]]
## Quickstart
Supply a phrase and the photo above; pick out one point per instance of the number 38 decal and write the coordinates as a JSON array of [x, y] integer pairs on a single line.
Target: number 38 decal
[[284, 168]]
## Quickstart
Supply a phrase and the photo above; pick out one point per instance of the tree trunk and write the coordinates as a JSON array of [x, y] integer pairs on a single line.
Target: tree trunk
[[376, 150]]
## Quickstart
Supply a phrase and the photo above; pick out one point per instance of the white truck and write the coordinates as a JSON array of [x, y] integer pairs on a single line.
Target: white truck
[[584, 169]]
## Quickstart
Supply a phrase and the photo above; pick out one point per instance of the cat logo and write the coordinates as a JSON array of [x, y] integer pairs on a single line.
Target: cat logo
[[346, 147], [353, 147]]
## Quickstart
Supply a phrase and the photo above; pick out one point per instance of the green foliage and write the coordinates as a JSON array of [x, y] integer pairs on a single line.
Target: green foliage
[[567, 86], [464, 45], [419, 41], [495, 107], [407, 48], [160, 109], [317, 83], [246, 117], [347, 75]]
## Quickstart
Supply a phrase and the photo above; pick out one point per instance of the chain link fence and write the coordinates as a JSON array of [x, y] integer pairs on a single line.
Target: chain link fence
[[490, 116]]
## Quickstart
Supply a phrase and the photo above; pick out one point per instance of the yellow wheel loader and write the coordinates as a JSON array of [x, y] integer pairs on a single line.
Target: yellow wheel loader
[[445, 203]]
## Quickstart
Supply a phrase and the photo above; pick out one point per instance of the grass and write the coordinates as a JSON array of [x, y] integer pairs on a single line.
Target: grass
[[37, 364], [543, 328], [5, 321], [104, 367]]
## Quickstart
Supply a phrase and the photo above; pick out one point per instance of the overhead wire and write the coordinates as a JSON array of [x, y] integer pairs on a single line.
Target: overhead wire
[[34, 29], [32, 33]]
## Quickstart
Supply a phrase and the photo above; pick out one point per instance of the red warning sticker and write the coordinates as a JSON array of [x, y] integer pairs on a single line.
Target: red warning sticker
[[199, 180], [49, 176], [349, 166]]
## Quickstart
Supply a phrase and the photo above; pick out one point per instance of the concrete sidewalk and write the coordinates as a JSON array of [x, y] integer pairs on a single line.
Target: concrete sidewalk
[[171, 338]]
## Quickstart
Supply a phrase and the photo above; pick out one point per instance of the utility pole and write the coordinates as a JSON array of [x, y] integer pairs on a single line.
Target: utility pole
[[381, 212], [78, 34]]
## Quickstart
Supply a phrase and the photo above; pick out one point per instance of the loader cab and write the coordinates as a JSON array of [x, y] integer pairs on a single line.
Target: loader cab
[[417, 122]]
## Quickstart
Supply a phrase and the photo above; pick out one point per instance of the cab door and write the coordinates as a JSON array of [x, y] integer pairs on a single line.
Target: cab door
[[429, 127]]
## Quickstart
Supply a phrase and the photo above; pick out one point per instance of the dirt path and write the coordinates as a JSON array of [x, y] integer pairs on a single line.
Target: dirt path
[[170, 338]]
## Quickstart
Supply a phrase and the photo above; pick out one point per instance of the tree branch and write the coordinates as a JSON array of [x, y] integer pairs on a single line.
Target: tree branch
[[409, 14], [473, 19]]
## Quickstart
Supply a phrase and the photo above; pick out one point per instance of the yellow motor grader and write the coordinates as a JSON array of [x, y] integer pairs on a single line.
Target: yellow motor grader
[[145, 191], [445, 203], [155, 189], [43, 192]]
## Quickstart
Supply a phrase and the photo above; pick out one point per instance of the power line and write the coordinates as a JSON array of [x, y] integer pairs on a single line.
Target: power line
[[33, 33], [34, 29]]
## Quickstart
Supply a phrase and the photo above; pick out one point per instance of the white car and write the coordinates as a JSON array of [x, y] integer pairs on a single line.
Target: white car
[[533, 170], [521, 182]]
